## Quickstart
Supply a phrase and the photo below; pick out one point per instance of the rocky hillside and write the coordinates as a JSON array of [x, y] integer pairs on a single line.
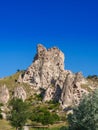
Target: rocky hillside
[[47, 73], [47, 77]]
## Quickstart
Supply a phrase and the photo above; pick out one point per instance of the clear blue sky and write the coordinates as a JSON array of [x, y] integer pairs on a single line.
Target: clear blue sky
[[71, 25]]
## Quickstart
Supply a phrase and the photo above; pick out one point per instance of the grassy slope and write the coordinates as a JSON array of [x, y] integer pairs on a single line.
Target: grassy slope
[[4, 125], [11, 83]]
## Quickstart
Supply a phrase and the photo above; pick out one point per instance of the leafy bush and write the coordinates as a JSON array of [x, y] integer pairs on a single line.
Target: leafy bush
[[53, 105], [92, 76], [64, 128], [42, 115], [85, 116]]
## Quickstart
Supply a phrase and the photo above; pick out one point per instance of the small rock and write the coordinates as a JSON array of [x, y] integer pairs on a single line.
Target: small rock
[[19, 92]]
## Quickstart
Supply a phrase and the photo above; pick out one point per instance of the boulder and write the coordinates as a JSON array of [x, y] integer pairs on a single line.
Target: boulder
[[4, 94], [20, 93]]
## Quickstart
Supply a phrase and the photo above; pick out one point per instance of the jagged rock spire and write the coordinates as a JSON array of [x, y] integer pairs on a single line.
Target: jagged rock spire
[[46, 67]]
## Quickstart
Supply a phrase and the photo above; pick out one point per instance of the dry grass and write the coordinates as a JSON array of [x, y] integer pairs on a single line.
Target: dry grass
[[11, 83], [5, 125], [86, 87]]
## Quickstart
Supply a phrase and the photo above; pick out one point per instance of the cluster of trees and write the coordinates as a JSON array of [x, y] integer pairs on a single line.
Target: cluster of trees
[[92, 76], [42, 115], [21, 112]]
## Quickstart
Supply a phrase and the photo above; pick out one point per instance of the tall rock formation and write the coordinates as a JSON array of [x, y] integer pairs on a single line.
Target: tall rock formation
[[47, 72], [72, 91], [46, 68]]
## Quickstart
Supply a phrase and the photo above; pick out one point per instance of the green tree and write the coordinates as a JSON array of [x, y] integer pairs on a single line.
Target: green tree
[[19, 113], [42, 115], [85, 116]]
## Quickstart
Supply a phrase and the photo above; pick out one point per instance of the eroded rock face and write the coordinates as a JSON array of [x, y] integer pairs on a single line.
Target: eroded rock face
[[20, 93], [4, 111], [72, 91], [67, 91], [47, 66], [47, 71], [4, 94]]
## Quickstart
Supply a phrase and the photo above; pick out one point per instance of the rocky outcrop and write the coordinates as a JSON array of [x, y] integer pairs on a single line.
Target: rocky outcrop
[[46, 68], [20, 93], [47, 72], [67, 91], [53, 92], [4, 94], [4, 111], [72, 91]]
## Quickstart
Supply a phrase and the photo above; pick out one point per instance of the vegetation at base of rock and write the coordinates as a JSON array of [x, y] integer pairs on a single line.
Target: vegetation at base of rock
[[53, 105], [5, 125], [44, 116], [85, 116], [19, 113], [39, 97]]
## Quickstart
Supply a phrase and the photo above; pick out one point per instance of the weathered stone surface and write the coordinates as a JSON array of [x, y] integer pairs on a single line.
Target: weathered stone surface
[[4, 116], [72, 91], [47, 72], [46, 67], [4, 111], [4, 94], [19, 92], [67, 91], [26, 128]]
